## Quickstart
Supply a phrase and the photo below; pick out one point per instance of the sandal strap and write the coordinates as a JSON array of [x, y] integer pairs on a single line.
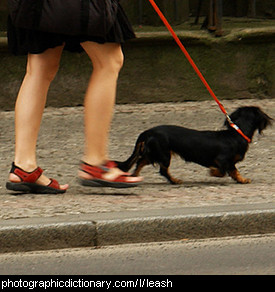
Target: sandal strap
[[90, 169], [110, 164], [54, 184], [29, 177], [95, 171], [98, 171]]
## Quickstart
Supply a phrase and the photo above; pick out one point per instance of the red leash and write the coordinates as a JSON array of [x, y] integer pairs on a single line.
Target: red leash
[[164, 20]]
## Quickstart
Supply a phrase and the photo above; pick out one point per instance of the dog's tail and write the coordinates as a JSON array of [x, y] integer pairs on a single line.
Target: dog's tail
[[137, 152]]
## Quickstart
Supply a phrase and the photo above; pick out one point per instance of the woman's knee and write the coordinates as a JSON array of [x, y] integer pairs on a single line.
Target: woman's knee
[[107, 57], [45, 65], [111, 62], [45, 71], [118, 60]]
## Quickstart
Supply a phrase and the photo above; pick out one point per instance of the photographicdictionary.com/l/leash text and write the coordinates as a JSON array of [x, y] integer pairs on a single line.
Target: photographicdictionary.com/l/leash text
[[106, 282]]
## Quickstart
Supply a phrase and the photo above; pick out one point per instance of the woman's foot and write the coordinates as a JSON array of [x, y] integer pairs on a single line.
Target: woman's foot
[[106, 175], [43, 181], [34, 180]]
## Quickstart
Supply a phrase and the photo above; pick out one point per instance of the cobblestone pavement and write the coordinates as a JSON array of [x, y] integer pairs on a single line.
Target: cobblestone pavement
[[60, 148]]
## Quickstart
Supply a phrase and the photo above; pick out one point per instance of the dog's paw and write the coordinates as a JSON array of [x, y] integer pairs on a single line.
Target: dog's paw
[[235, 174], [244, 181], [175, 181]]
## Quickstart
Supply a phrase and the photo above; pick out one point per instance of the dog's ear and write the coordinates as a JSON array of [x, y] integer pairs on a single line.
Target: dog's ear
[[263, 121]]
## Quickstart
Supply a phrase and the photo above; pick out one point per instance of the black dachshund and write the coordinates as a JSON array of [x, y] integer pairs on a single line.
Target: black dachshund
[[217, 150]]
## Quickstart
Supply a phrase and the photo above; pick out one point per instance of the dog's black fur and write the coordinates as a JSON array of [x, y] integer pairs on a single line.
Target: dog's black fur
[[217, 150]]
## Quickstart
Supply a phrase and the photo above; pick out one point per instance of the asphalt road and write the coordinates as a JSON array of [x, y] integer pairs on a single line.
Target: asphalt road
[[231, 255]]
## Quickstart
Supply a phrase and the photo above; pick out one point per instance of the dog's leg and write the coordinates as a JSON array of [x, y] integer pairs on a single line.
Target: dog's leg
[[140, 164], [165, 172], [235, 174], [216, 172]]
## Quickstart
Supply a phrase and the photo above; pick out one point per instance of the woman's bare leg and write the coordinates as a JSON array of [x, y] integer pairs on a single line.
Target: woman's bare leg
[[41, 70], [107, 60]]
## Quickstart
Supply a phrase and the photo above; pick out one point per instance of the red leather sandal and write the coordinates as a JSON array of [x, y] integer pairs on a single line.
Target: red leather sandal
[[28, 182], [97, 173]]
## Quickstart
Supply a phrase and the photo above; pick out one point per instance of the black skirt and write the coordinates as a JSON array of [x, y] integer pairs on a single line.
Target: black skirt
[[24, 41]]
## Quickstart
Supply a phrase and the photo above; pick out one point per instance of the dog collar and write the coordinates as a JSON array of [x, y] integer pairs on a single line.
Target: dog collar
[[235, 127]]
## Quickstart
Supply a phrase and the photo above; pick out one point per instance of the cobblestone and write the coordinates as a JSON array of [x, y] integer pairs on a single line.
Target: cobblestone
[[60, 147]]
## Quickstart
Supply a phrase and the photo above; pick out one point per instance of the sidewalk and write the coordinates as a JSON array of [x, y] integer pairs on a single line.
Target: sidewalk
[[211, 206]]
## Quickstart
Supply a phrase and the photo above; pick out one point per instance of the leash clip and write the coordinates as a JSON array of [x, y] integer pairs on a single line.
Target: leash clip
[[233, 125], [229, 119]]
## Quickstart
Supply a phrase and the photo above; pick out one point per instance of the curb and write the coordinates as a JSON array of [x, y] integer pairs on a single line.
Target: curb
[[103, 229]]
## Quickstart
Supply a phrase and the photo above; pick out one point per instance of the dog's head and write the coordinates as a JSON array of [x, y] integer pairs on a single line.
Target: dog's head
[[250, 118]]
